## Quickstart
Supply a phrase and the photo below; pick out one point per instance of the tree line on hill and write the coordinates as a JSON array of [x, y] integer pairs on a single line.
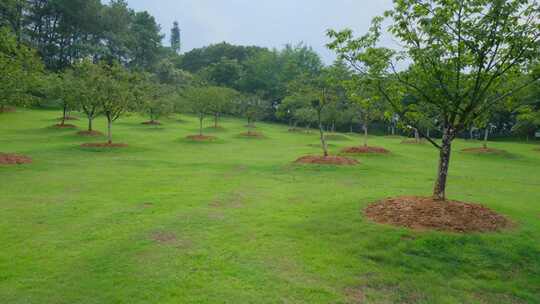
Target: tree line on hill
[[65, 32]]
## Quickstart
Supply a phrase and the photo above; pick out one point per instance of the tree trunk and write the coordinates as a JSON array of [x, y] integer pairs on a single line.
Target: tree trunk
[[216, 120], [427, 132], [323, 139], [64, 115], [351, 128], [109, 131], [471, 133], [365, 127], [200, 124], [439, 190], [416, 136], [89, 124], [486, 135], [393, 130]]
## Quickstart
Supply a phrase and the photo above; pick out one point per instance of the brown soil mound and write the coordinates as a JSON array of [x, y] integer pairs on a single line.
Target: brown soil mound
[[326, 160], [252, 134], [426, 213], [14, 159], [103, 145], [364, 149], [90, 133], [64, 126], [68, 118], [201, 138], [413, 141], [152, 123], [483, 150]]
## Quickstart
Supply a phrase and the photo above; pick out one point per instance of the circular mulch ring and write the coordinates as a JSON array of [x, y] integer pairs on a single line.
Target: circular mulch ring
[[89, 133], [8, 110], [68, 118], [252, 134], [64, 126], [426, 213], [327, 160], [483, 150], [201, 138], [14, 159], [103, 145], [365, 149], [413, 142], [151, 123]]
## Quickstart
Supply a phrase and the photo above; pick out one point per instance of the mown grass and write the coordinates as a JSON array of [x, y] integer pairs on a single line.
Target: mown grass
[[167, 220]]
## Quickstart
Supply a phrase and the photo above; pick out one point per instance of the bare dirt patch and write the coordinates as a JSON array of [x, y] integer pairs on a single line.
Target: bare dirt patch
[[483, 150], [365, 149], [147, 205], [14, 159], [426, 213], [163, 237], [327, 160], [235, 200], [252, 134], [168, 238], [64, 126], [151, 123], [201, 138], [103, 145], [89, 133]]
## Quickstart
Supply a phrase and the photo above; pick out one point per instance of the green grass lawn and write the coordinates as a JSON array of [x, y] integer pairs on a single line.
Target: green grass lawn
[[167, 220]]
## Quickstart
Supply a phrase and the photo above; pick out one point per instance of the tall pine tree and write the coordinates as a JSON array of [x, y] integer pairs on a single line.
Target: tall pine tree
[[175, 38]]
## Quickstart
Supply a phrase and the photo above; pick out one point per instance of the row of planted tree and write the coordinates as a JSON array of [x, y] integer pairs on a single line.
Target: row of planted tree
[[460, 63]]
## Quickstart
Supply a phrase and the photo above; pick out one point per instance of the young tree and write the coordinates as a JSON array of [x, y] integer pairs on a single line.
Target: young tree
[[199, 100], [220, 102], [85, 90], [459, 52], [59, 88], [115, 85], [253, 108], [152, 98], [321, 93], [363, 94]]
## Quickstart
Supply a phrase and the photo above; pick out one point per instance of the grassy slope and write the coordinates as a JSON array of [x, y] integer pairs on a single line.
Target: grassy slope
[[244, 225]]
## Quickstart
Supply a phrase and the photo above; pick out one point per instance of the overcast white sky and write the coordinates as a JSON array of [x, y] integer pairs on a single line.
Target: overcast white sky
[[270, 23]]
